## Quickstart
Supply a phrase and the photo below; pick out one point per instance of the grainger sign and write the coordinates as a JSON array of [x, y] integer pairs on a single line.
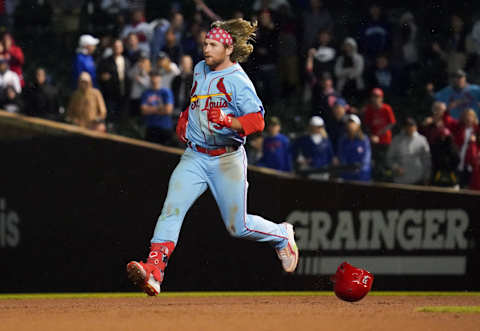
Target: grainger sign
[[386, 242]]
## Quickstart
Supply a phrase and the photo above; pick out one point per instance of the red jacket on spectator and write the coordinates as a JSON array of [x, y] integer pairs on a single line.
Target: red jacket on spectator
[[473, 159], [377, 119], [16, 58], [458, 129]]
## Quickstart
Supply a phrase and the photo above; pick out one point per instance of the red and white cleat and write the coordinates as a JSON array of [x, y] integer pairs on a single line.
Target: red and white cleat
[[289, 254], [149, 275], [140, 275]]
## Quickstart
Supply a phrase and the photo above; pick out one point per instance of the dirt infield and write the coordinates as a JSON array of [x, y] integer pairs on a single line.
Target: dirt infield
[[293, 313]]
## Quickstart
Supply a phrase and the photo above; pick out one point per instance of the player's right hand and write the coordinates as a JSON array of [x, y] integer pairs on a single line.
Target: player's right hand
[[182, 125]]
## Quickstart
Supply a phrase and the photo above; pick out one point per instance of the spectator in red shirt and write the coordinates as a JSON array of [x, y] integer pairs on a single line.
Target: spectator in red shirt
[[433, 126], [379, 121], [464, 132], [15, 56], [473, 160]]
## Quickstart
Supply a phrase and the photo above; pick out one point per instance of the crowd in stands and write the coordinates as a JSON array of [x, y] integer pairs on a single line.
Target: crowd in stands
[[361, 92]]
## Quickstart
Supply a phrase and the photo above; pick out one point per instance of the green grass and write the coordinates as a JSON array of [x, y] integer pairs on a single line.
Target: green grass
[[449, 309], [215, 294]]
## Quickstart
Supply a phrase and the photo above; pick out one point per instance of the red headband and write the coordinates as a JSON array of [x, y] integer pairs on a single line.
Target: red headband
[[220, 35]]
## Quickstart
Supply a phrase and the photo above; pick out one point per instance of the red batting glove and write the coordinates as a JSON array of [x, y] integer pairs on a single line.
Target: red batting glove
[[182, 125], [216, 115]]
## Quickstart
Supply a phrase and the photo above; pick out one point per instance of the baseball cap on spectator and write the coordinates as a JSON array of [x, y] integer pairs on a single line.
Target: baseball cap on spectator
[[317, 121], [459, 73], [340, 102], [378, 92], [88, 40], [354, 118]]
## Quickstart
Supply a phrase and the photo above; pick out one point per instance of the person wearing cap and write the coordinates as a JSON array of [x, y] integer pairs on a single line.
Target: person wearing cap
[[8, 77], [459, 95], [87, 107], [409, 156], [15, 56], [379, 120], [276, 148], [314, 150], [156, 108], [84, 61], [354, 150]]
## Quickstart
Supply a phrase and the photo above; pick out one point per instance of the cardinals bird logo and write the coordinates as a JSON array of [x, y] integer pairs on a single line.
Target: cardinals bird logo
[[193, 88], [223, 90]]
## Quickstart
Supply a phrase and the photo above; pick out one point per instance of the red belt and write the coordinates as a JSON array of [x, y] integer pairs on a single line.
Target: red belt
[[213, 152]]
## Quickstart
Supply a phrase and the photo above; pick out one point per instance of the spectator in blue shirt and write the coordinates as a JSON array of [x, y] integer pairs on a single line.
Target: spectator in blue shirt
[[84, 61], [459, 95], [375, 33], [313, 151], [354, 150], [276, 148], [157, 107]]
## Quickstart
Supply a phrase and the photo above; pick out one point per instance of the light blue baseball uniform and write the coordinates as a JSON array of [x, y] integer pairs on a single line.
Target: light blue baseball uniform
[[226, 175]]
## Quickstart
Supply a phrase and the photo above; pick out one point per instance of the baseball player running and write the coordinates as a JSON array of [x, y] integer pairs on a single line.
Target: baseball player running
[[224, 109]]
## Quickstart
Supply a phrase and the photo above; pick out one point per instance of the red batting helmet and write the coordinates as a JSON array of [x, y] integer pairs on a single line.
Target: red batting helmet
[[351, 284]]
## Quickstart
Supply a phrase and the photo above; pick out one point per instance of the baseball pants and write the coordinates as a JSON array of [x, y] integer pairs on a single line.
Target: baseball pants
[[226, 176]]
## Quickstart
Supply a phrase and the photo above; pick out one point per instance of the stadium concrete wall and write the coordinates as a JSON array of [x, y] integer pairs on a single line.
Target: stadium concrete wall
[[76, 206]]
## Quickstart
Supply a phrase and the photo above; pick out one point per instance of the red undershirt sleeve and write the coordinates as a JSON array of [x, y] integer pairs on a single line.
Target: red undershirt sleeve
[[251, 123]]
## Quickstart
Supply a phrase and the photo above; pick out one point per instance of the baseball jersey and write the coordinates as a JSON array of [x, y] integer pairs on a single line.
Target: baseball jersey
[[276, 153], [230, 90], [153, 97]]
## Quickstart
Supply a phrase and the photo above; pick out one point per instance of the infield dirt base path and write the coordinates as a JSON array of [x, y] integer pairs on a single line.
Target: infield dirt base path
[[294, 313]]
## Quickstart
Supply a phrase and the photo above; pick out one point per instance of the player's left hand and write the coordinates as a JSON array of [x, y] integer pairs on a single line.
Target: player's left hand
[[216, 115]]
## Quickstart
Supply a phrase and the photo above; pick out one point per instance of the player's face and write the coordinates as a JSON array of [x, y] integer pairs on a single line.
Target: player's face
[[215, 52]]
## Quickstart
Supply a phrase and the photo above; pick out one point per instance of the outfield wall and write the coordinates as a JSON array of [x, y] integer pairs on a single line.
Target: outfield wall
[[76, 206]]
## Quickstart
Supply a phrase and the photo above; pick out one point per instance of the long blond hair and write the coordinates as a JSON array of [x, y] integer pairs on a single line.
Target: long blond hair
[[466, 112], [242, 32]]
